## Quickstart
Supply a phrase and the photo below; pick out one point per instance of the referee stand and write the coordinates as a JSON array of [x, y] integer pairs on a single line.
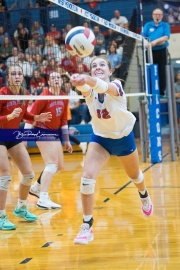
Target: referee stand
[[169, 128]]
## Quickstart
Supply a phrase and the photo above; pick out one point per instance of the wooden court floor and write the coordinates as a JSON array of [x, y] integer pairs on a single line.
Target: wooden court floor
[[124, 238]]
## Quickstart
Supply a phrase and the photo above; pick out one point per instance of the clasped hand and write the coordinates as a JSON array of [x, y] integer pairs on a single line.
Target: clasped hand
[[78, 79]]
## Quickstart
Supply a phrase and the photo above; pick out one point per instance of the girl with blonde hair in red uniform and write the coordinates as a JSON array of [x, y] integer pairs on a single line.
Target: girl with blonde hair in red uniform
[[12, 112], [51, 151]]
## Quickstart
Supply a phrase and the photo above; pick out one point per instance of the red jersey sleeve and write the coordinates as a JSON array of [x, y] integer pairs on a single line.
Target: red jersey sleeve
[[38, 106], [64, 121], [3, 118], [29, 116]]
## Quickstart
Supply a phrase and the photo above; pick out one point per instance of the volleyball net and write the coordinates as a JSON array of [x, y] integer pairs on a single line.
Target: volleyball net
[[41, 49], [59, 17], [38, 46]]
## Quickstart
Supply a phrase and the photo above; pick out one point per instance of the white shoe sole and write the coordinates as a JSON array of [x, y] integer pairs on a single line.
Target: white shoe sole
[[83, 242], [47, 208], [33, 194]]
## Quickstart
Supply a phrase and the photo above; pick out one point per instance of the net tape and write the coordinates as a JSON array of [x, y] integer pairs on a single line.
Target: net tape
[[29, 97], [92, 17]]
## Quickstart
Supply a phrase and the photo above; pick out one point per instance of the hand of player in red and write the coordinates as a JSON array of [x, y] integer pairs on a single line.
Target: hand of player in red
[[43, 117]]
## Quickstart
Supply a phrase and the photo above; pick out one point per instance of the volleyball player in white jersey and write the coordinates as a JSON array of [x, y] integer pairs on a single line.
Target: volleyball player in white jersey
[[112, 135]]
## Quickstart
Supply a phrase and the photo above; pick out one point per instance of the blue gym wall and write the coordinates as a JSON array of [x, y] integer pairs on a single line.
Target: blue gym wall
[[60, 16]]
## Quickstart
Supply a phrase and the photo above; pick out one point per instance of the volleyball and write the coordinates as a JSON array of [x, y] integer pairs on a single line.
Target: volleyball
[[80, 41]]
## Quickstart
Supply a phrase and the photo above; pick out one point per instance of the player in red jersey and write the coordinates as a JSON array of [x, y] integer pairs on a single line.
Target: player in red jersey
[[12, 112], [51, 151]]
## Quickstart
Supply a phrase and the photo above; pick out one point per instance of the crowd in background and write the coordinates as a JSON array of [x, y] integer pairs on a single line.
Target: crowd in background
[[39, 50]]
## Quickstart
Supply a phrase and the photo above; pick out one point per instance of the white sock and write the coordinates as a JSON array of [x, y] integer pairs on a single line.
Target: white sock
[[87, 217], [44, 195], [2, 212], [21, 203], [37, 185]]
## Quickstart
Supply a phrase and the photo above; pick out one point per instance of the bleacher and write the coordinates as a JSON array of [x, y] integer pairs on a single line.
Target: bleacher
[[60, 16]]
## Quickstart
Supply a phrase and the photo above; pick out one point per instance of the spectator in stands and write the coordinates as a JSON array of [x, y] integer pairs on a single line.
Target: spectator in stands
[[66, 30], [51, 49], [3, 6], [115, 60], [63, 52], [6, 49], [94, 6], [22, 42], [178, 15], [54, 33], [72, 130], [171, 16], [120, 20], [119, 47], [60, 70], [74, 18], [2, 74], [32, 48], [52, 66], [39, 60], [79, 111], [42, 72], [29, 58], [37, 83], [17, 32], [86, 24], [158, 33], [14, 58], [65, 78], [87, 60], [44, 6], [26, 68], [25, 15], [39, 40], [79, 66], [114, 35], [36, 27], [3, 34], [43, 3], [4, 16], [100, 41], [177, 95], [108, 37], [73, 103], [67, 63]]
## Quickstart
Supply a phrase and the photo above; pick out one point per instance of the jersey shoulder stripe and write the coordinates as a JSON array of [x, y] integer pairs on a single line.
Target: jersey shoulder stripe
[[119, 87]]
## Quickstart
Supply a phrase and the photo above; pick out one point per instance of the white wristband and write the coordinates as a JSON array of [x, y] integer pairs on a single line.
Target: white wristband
[[100, 86], [83, 88]]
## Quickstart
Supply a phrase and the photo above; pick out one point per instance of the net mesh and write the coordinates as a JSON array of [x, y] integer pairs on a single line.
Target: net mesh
[[34, 33]]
